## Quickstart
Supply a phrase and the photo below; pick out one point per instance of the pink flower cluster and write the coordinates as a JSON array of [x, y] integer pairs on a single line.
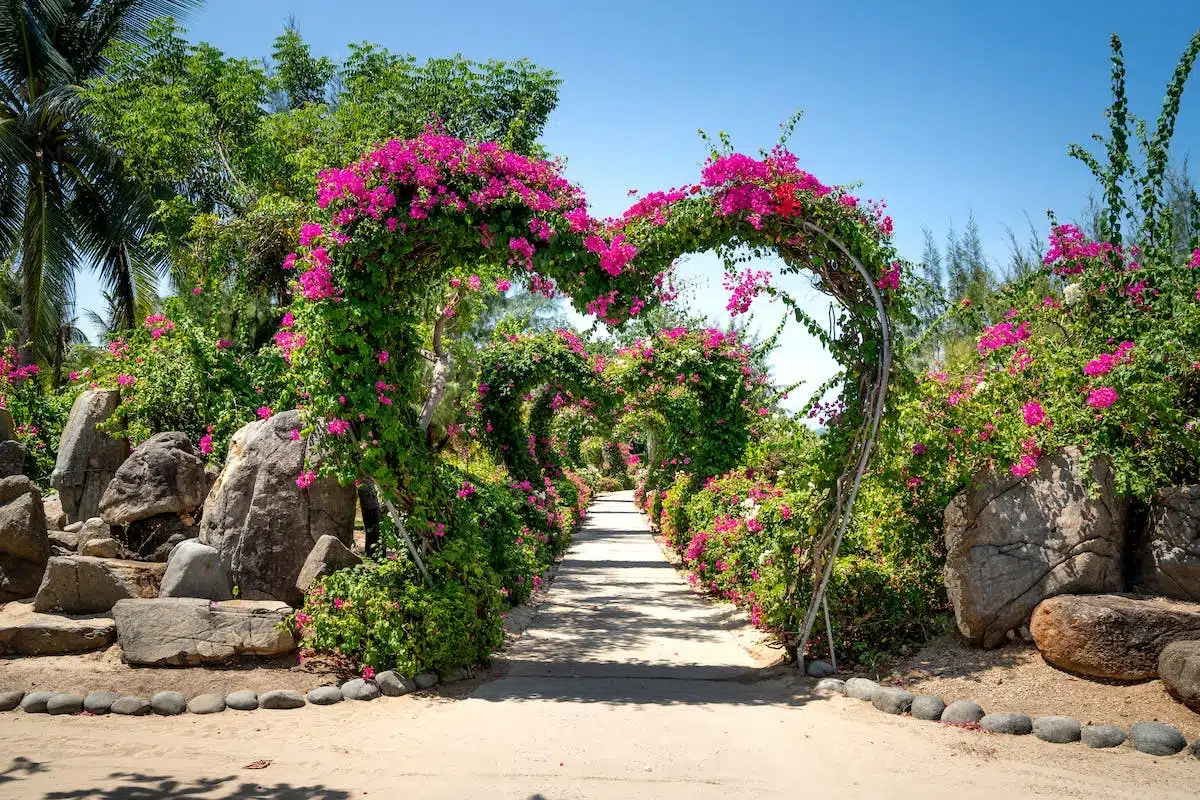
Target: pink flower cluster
[[158, 324], [1000, 335], [744, 288], [1106, 362]]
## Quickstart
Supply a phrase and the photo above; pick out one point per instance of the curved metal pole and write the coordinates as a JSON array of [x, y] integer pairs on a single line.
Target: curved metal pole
[[884, 368]]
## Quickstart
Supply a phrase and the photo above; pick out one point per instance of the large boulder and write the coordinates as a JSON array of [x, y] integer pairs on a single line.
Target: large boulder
[[87, 585], [196, 570], [87, 458], [260, 521], [1179, 668], [1111, 636], [1012, 542], [181, 631], [12, 458], [1168, 561], [25, 632], [24, 545], [328, 555], [163, 475], [56, 518]]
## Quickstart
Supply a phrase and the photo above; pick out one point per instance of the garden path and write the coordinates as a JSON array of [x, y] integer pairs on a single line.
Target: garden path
[[626, 685]]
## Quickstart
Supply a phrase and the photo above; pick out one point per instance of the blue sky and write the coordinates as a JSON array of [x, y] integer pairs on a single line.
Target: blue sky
[[940, 107]]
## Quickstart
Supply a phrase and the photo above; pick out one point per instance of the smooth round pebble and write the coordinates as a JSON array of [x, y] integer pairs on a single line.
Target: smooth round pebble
[[168, 704], [1157, 739], [819, 669], [206, 704], [1102, 736], [100, 702], [425, 679], [1056, 729], [35, 702], [831, 685], [861, 688], [1194, 749], [891, 700], [394, 685], [281, 699], [1007, 722], [928, 707], [360, 689], [131, 706], [962, 711], [244, 700], [64, 703], [325, 695], [10, 700]]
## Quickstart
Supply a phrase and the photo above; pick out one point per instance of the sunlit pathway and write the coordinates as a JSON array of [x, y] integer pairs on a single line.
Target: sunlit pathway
[[625, 686]]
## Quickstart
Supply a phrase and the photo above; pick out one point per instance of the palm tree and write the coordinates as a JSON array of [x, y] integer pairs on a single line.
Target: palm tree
[[63, 198]]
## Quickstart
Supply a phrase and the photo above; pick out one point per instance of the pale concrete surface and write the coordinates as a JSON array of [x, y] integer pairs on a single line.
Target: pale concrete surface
[[625, 686]]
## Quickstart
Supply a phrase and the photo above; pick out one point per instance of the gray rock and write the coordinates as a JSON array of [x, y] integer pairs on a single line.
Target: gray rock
[[6, 424], [1168, 557], [328, 556], [454, 675], [1110, 635], [86, 585], [393, 685], [819, 669], [927, 707], [1179, 668], [69, 541], [163, 551], [101, 548], [35, 702], [258, 519], [168, 704], [25, 632], [12, 458], [891, 700], [1007, 722], [1012, 542], [11, 699], [325, 695], [94, 528], [831, 686], [24, 545], [962, 711], [100, 702], [180, 631], [360, 689], [196, 570], [280, 699], [1194, 749], [1100, 736], [74, 527], [56, 518], [131, 706], [64, 703], [861, 688], [87, 458], [163, 475], [154, 537], [1057, 730], [206, 704], [244, 700], [1156, 738], [424, 680]]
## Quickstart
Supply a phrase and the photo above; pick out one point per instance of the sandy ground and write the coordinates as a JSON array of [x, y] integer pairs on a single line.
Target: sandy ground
[[624, 686]]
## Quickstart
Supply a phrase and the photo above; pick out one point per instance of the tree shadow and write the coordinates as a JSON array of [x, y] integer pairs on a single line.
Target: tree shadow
[[139, 786], [19, 768]]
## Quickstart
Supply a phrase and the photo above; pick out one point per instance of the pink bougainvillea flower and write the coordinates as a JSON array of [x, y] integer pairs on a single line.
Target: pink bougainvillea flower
[[918, 449], [1025, 466], [337, 426], [264, 412], [368, 673], [206, 443], [306, 479], [1102, 397], [295, 434], [503, 285], [383, 356], [473, 283], [1034, 413], [126, 380]]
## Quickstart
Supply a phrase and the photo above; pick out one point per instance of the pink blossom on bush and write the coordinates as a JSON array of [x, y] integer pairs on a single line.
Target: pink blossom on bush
[[1033, 412], [264, 412], [126, 380], [306, 479], [1102, 397], [337, 426]]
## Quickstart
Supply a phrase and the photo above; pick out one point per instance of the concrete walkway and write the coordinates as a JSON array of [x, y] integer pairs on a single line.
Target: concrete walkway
[[625, 686]]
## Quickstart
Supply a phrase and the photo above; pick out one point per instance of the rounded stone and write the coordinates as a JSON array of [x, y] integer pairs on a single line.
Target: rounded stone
[[891, 700], [64, 703], [394, 685], [819, 669], [831, 686], [962, 711], [454, 675], [100, 702], [281, 699], [1057, 729], [244, 700], [10, 700], [206, 704], [168, 704], [1194, 749], [928, 707], [425, 679], [861, 688], [1007, 722], [131, 706], [1157, 739], [360, 689], [325, 695], [35, 702], [1099, 736]]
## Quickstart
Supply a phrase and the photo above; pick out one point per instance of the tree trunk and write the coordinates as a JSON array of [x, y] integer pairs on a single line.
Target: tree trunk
[[368, 502], [441, 375]]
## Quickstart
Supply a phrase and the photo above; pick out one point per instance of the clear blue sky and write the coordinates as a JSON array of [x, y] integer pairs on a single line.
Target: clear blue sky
[[940, 107]]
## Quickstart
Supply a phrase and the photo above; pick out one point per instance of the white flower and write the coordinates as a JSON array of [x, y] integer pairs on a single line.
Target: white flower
[[1073, 293]]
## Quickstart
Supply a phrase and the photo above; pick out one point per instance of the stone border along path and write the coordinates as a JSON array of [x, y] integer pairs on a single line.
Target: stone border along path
[[615, 616]]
